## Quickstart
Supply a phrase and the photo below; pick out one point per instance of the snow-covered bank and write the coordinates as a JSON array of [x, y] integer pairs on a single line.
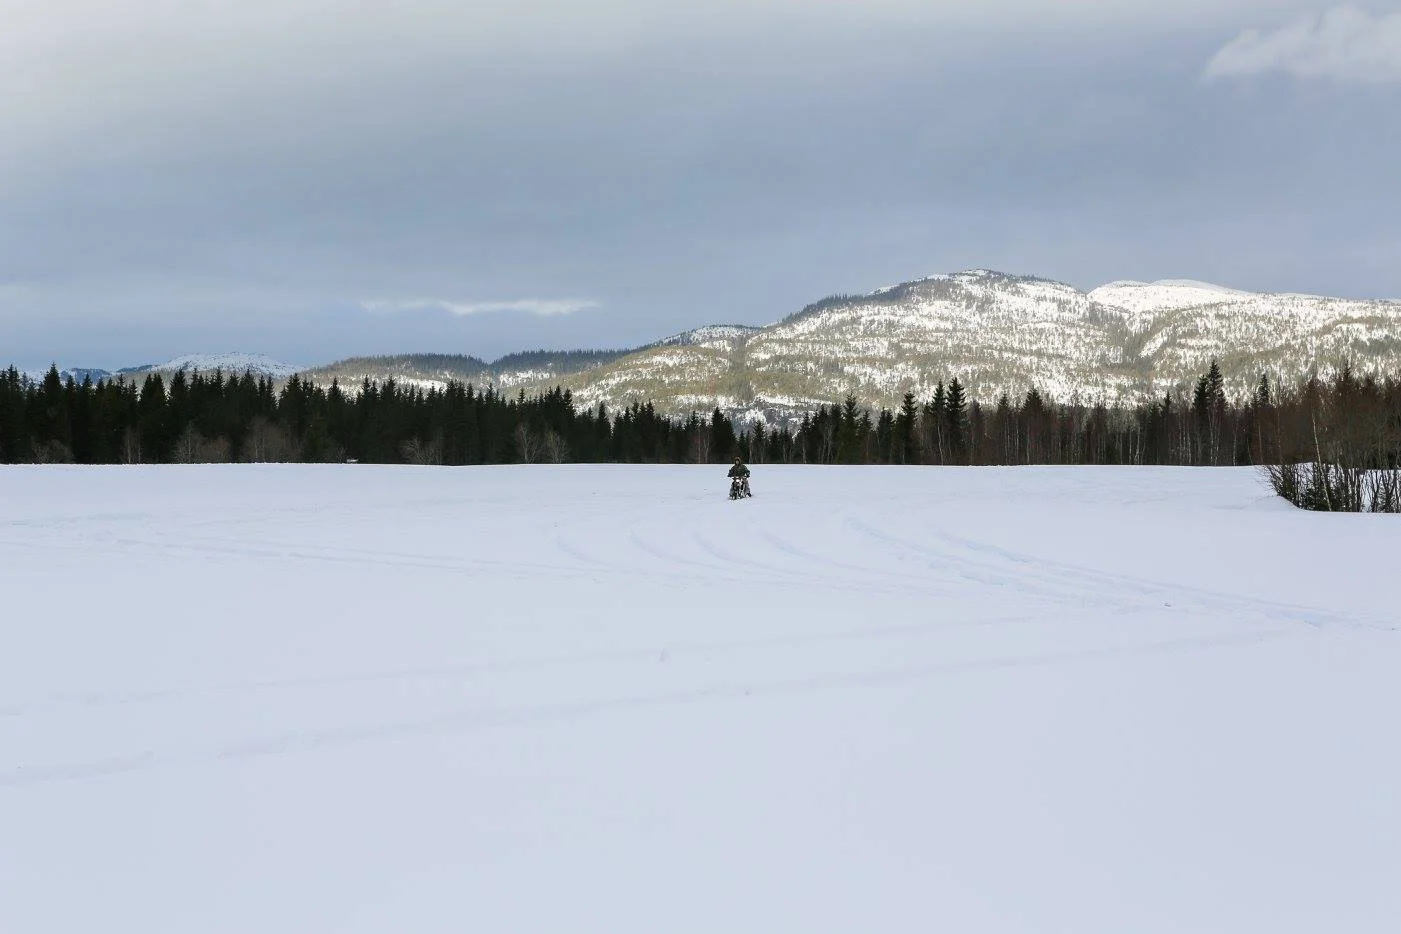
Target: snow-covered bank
[[355, 699]]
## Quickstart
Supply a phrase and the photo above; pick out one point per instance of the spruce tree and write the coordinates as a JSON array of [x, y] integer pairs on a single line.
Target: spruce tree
[[887, 449], [723, 444], [906, 445], [940, 426], [53, 430], [153, 427], [848, 431], [956, 422]]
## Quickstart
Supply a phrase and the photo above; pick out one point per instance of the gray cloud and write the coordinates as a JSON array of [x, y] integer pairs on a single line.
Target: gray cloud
[[1346, 43], [187, 182]]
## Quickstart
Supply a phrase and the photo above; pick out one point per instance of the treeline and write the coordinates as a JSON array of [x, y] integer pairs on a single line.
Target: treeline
[[1330, 444], [1334, 443], [213, 418], [1346, 420]]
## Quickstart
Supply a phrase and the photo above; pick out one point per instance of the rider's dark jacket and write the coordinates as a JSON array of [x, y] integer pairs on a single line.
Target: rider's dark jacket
[[739, 471]]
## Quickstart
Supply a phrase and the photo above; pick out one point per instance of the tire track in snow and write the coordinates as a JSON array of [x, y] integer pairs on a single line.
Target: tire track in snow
[[1204, 597], [1045, 577], [468, 720], [803, 554], [1288, 612], [740, 562], [660, 554], [955, 567], [337, 554], [485, 669], [874, 581]]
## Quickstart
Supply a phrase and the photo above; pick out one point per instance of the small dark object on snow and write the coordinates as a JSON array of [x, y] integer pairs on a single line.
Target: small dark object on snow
[[739, 480]]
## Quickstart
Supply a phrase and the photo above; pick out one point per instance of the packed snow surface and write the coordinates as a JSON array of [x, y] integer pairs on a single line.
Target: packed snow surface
[[537, 699]]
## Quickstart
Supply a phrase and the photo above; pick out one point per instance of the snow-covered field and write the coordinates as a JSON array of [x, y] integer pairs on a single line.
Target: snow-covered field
[[506, 699]]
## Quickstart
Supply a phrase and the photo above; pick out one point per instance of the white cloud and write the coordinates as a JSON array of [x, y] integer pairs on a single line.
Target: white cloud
[[1346, 43], [528, 306]]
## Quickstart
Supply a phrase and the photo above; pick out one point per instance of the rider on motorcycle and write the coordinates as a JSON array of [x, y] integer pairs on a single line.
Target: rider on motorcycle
[[740, 473]]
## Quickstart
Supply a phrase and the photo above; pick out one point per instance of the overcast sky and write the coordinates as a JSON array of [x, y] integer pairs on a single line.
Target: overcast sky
[[318, 178]]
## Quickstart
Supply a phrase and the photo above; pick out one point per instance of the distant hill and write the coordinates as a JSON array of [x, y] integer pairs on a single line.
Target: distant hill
[[997, 332], [529, 368], [257, 364]]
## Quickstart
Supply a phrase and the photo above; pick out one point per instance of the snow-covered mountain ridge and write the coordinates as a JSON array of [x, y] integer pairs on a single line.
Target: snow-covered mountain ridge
[[1121, 342], [257, 364]]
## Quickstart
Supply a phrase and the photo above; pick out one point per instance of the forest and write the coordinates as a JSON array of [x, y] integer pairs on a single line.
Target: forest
[[1330, 444]]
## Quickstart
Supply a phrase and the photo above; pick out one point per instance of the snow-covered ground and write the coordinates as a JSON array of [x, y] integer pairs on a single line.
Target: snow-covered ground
[[506, 699]]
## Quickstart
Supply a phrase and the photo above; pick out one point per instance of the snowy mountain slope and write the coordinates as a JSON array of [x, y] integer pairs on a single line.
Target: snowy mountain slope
[[711, 334], [257, 364], [679, 378], [1291, 334], [998, 333], [76, 373], [535, 369], [418, 369], [526, 699], [1148, 298]]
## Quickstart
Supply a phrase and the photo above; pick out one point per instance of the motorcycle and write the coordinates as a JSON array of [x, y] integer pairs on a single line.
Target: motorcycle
[[739, 488]]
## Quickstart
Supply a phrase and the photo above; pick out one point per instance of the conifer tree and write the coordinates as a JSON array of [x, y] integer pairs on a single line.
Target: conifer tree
[[1005, 429], [940, 427], [849, 431], [154, 430], [906, 445], [53, 429], [885, 444], [723, 445], [956, 422]]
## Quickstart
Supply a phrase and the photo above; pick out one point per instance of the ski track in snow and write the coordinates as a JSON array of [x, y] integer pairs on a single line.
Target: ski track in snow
[[860, 655]]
